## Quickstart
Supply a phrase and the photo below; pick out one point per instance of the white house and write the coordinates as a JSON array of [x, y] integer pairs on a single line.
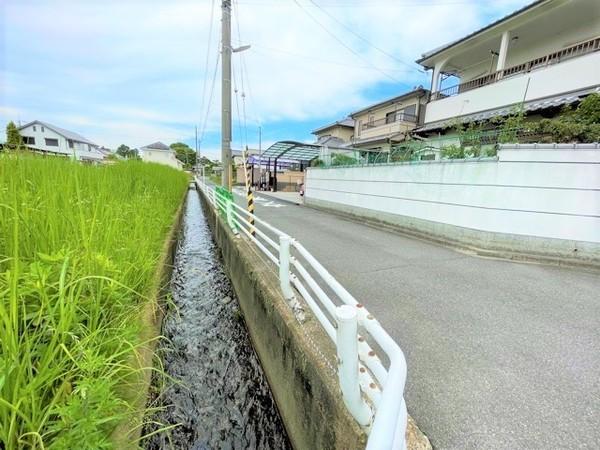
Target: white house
[[542, 56], [46, 138], [160, 153]]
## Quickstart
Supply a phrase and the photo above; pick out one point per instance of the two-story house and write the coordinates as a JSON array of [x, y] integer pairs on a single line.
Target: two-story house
[[46, 138], [538, 58], [336, 134], [378, 127]]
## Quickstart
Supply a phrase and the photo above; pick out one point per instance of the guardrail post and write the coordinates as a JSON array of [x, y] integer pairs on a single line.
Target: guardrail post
[[284, 267], [229, 213], [347, 353]]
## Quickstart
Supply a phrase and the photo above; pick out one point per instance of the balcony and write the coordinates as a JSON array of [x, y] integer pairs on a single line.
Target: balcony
[[390, 120], [569, 70], [566, 54]]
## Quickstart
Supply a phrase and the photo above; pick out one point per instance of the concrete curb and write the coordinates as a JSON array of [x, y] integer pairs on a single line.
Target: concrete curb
[[459, 245]]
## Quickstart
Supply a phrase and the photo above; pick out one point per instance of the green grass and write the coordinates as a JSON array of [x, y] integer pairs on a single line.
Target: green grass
[[79, 250]]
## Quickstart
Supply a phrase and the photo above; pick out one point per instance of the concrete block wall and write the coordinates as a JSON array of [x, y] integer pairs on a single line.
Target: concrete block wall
[[534, 199]]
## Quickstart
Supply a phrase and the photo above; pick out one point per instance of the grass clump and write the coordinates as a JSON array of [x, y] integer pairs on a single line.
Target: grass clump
[[79, 250]]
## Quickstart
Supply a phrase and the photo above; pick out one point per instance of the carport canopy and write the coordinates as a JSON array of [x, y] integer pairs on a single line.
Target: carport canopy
[[293, 150]]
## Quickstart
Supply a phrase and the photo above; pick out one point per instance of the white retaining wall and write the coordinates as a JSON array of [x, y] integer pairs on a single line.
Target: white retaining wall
[[538, 190]]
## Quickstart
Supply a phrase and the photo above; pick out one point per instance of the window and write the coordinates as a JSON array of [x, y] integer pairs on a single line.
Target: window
[[34, 128], [411, 109], [390, 117], [51, 142], [70, 141], [43, 129], [28, 140]]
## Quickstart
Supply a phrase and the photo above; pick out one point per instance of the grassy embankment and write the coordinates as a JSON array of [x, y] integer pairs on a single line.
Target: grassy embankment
[[80, 247]]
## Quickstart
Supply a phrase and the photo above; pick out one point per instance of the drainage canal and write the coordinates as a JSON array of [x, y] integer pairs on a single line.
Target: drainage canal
[[222, 399]]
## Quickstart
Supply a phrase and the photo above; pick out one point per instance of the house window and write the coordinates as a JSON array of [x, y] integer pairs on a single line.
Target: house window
[[43, 129], [411, 109], [28, 140], [70, 141], [34, 128], [390, 117], [51, 142]]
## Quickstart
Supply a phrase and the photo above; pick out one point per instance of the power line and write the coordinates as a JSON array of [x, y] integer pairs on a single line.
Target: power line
[[342, 43], [210, 98], [241, 55], [209, 41], [332, 17], [326, 61]]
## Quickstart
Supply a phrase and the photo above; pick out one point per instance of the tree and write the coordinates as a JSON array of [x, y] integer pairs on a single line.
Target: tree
[[184, 153], [14, 141], [126, 152]]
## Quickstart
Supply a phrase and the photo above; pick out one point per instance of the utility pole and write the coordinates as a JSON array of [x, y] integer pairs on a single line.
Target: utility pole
[[196, 141], [226, 93]]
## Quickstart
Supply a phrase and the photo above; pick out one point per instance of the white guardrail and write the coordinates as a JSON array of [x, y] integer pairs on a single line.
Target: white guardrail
[[372, 393]]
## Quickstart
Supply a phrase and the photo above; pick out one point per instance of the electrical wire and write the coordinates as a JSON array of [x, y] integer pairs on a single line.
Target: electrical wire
[[210, 98], [206, 62], [342, 43], [365, 40]]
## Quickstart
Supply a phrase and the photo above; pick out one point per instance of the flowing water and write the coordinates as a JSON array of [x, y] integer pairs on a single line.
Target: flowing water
[[223, 400]]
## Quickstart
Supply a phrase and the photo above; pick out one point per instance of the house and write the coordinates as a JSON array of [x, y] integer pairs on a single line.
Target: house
[[336, 134], [540, 58], [43, 137], [378, 127], [161, 154]]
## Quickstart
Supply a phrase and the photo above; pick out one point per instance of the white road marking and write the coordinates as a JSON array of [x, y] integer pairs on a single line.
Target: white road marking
[[258, 199]]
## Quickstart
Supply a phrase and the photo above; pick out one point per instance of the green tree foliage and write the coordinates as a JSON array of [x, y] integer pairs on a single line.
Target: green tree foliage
[[13, 137], [184, 153], [126, 152], [339, 159]]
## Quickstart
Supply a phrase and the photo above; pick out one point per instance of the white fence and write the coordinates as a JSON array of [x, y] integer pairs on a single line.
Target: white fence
[[372, 391], [542, 190]]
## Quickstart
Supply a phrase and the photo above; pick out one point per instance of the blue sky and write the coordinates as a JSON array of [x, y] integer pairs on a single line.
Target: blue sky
[[134, 72]]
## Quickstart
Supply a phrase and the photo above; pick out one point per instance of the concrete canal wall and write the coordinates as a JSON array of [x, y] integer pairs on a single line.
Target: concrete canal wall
[[534, 201], [294, 356]]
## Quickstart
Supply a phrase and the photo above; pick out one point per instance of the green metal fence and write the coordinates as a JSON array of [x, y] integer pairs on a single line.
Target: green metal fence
[[464, 144]]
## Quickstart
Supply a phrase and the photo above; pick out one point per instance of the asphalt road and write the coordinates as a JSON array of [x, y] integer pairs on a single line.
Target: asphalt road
[[501, 355]]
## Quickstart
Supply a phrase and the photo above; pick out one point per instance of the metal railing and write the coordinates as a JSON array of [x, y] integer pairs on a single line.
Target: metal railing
[[390, 120], [372, 392], [565, 54]]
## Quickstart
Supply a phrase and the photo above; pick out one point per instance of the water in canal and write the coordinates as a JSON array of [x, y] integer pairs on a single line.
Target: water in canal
[[223, 400]]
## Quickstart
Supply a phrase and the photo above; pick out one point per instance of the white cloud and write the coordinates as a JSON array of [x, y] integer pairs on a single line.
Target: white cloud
[[133, 71]]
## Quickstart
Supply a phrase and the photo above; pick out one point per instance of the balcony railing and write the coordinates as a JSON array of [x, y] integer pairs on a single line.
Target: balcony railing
[[389, 120], [593, 45]]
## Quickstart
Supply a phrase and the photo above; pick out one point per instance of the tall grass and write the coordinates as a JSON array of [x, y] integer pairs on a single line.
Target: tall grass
[[79, 248]]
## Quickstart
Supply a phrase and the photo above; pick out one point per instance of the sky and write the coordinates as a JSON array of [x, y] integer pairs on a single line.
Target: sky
[[139, 71]]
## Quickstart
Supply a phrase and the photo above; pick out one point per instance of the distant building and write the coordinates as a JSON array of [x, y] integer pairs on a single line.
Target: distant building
[[336, 134], [161, 154], [542, 57], [43, 137]]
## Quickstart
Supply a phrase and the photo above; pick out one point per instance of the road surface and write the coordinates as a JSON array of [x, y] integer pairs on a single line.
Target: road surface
[[501, 355]]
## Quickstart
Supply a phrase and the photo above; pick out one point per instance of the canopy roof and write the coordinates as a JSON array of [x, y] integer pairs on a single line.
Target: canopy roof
[[298, 151]]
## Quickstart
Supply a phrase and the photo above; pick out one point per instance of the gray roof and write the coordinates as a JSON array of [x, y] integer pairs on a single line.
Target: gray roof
[[347, 122], [331, 141], [158, 146], [430, 53], [420, 91], [65, 133], [532, 105]]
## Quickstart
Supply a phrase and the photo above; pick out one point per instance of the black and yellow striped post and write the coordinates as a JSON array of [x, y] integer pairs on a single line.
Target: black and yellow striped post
[[249, 193]]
